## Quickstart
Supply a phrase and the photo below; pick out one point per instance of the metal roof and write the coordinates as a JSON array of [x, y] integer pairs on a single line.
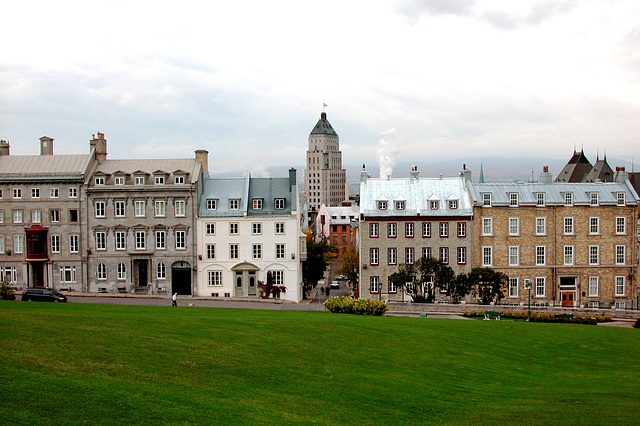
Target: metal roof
[[323, 127], [44, 166], [168, 165]]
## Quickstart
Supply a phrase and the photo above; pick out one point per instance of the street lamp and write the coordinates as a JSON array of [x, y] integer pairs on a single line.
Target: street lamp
[[527, 285]]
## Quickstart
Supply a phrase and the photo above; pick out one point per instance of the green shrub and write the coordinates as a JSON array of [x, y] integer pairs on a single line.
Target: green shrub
[[534, 316], [347, 305], [607, 318]]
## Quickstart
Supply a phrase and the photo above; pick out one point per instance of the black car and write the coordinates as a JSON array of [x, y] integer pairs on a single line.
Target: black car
[[43, 295]]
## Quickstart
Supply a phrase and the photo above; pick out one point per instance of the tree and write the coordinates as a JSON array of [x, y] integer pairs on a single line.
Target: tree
[[459, 287], [318, 257], [420, 280], [269, 289], [6, 292], [487, 284], [350, 265]]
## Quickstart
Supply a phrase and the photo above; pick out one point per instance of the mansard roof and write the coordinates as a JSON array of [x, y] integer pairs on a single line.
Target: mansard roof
[[151, 166], [601, 171], [323, 127], [576, 169]]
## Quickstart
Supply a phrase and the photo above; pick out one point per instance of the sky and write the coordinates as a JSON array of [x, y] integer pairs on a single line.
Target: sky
[[423, 80]]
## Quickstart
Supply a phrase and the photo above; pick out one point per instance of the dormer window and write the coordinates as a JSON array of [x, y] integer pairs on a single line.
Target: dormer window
[[593, 198], [279, 203], [99, 181], [159, 180], [234, 204], [382, 205], [620, 197], [540, 199], [257, 203], [179, 179], [400, 205], [513, 199], [486, 199], [212, 204], [434, 205], [119, 180], [453, 204], [139, 180], [568, 198]]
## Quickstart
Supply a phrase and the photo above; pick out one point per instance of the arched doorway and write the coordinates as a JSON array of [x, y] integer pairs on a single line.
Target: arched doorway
[[245, 278], [181, 278]]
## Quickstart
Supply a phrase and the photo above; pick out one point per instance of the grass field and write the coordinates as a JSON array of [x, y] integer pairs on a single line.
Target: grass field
[[102, 364]]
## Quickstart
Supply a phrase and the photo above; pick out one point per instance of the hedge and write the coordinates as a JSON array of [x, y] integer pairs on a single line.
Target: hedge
[[348, 305]]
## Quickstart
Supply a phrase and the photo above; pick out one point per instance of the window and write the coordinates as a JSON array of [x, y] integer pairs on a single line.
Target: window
[[211, 251], [540, 289], [35, 192], [541, 255], [568, 198], [139, 180], [234, 204], [18, 243], [444, 229], [159, 180], [17, 192], [620, 284], [487, 256], [594, 225], [568, 255], [99, 208], [120, 208], [68, 274], [141, 240], [140, 208], [99, 181], [101, 240], [409, 255], [375, 284], [541, 225], [400, 205], [426, 229], [374, 256], [568, 226], [180, 208], [53, 193], [392, 287], [453, 204], [121, 240], [279, 251], [212, 204], [373, 230], [392, 256], [214, 278], [444, 254], [101, 271], [279, 203], [2, 246], [434, 205], [119, 180], [257, 203], [621, 225], [462, 255], [161, 240], [462, 229], [17, 216], [73, 215], [210, 228], [1, 218], [181, 240], [55, 244], [256, 249], [408, 229], [122, 271], [233, 251], [392, 230], [73, 192], [514, 226], [55, 215], [513, 287], [620, 255], [382, 205], [620, 198], [513, 199], [160, 208], [233, 229], [540, 198], [256, 228], [161, 270], [486, 199], [74, 244], [426, 252], [178, 179], [593, 198], [279, 228], [487, 226], [514, 255], [593, 286]]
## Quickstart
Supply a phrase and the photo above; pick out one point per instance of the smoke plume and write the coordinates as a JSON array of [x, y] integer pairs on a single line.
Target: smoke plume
[[388, 148]]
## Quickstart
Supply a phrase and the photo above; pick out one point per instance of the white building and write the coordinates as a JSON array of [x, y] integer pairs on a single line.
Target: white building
[[248, 227]]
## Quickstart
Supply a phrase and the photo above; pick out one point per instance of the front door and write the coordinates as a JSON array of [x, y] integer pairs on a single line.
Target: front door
[[567, 298], [246, 280], [37, 269], [143, 277], [181, 278]]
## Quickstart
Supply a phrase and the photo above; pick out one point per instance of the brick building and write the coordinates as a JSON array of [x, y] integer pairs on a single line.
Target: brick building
[[338, 225]]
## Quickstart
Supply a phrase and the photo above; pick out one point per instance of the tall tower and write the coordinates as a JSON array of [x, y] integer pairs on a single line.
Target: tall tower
[[324, 177]]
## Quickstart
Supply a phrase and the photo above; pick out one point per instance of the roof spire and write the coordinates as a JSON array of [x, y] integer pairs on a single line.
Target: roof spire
[[481, 174]]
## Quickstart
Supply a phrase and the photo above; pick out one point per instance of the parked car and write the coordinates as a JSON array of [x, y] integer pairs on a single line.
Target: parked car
[[40, 294], [341, 277], [335, 284]]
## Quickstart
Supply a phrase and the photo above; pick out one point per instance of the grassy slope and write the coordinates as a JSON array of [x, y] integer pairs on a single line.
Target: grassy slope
[[127, 364]]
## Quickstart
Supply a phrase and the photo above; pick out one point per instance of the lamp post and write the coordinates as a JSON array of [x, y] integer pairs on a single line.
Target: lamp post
[[527, 285]]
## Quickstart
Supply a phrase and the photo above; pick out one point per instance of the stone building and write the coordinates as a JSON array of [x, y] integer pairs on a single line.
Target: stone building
[[574, 241], [41, 219], [403, 219], [141, 217]]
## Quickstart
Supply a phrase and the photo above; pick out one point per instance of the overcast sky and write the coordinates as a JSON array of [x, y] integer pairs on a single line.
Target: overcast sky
[[246, 80]]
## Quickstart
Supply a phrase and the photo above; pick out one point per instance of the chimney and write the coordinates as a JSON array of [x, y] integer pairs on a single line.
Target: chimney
[[621, 175], [202, 157], [292, 177], [465, 173], [99, 145], [545, 176], [4, 147], [46, 146], [414, 174], [363, 175]]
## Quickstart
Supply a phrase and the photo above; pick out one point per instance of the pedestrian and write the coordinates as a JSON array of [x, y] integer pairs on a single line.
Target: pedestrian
[[327, 290], [174, 299], [322, 291]]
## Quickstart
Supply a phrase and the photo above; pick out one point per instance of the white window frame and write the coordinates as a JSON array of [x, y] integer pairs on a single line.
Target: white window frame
[[620, 285], [257, 203], [73, 192], [540, 287], [513, 199], [280, 251], [408, 229], [514, 226], [212, 203], [214, 278], [513, 287], [234, 203], [160, 208], [141, 240], [279, 228], [120, 240], [541, 225], [55, 244], [392, 230], [621, 225], [487, 226], [210, 251], [487, 256], [181, 240], [234, 228], [120, 208], [279, 203], [161, 271], [234, 251], [541, 255], [568, 255], [620, 254], [426, 229], [101, 240], [161, 239], [256, 251], [514, 255], [121, 271], [568, 228], [594, 199], [74, 243], [140, 208], [180, 208], [101, 271], [594, 225], [374, 256], [210, 228], [593, 287], [594, 255]]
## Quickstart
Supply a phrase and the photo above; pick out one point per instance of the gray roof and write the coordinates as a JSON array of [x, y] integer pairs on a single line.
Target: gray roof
[[417, 194], [168, 165], [323, 127], [342, 215], [607, 192], [44, 167]]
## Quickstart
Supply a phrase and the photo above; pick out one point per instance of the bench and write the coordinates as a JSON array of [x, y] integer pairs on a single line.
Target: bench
[[423, 314], [489, 315], [563, 316]]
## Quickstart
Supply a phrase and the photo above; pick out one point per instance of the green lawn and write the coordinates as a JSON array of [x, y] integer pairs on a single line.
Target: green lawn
[[101, 364]]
